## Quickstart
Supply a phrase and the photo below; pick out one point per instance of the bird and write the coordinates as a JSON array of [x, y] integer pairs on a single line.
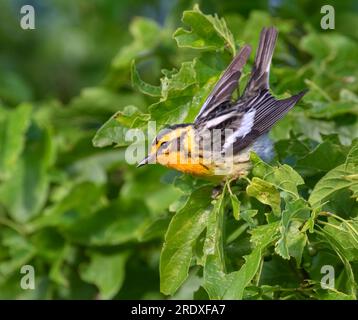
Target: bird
[[217, 145]]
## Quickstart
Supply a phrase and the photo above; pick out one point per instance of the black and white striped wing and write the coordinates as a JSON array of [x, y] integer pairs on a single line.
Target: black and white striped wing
[[259, 110], [261, 113], [225, 87]]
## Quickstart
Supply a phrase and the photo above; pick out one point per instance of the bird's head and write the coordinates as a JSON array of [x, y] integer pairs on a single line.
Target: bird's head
[[166, 146]]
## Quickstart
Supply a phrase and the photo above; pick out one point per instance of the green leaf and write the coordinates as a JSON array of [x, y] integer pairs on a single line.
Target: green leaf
[[336, 246], [215, 277], [115, 129], [266, 193], [175, 82], [110, 133], [296, 241], [12, 137], [94, 104], [253, 26], [235, 203], [329, 48], [330, 110], [264, 235], [122, 221], [82, 217], [26, 192], [20, 252], [155, 229], [174, 109], [139, 84], [283, 177], [242, 278], [294, 147], [206, 32], [131, 117], [57, 272], [79, 201], [184, 228], [247, 215], [146, 35], [323, 158], [352, 156], [280, 273], [106, 271], [178, 91], [292, 240], [48, 243], [345, 234], [310, 223], [337, 179], [329, 294]]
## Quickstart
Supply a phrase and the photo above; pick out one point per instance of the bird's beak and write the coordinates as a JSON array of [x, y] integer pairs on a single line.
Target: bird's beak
[[149, 159]]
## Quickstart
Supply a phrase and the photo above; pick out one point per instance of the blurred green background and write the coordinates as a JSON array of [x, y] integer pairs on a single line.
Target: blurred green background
[[91, 225]]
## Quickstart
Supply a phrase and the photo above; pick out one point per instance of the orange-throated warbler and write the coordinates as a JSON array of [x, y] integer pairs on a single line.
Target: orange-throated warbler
[[219, 142]]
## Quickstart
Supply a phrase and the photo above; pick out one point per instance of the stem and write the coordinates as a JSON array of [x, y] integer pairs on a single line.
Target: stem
[[335, 227], [7, 222], [229, 187], [258, 276], [344, 221], [246, 178], [319, 89]]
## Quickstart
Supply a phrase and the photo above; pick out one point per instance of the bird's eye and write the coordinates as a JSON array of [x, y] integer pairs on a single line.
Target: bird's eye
[[163, 144]]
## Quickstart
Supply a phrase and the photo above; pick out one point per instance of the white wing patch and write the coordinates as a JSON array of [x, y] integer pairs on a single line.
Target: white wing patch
[[216, 121], [246, 125]]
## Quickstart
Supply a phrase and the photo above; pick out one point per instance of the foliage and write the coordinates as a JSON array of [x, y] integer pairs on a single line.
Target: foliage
[[94, 226]]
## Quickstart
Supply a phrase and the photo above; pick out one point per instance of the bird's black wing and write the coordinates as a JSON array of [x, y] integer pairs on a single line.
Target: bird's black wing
[[259, 79], [225, 87], [257, 108], [259, 115]]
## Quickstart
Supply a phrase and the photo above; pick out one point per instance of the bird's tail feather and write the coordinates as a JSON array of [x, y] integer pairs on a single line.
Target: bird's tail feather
[[260, 71]]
